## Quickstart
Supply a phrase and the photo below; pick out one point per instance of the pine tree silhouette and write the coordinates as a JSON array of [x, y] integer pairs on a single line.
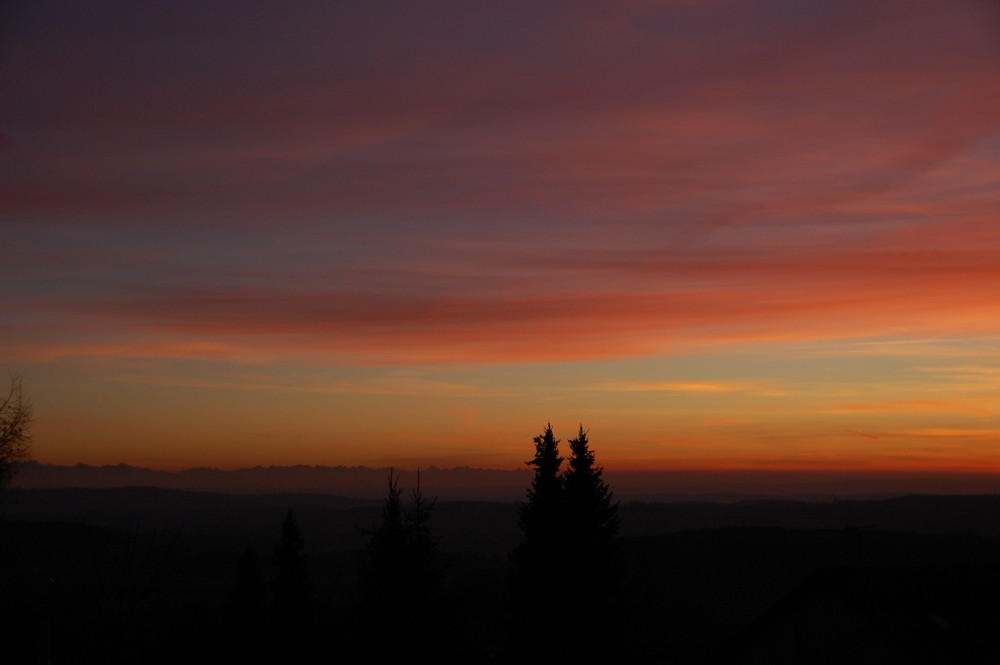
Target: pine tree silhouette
[[400, 576], [537, 562], [592, 568], [402, 552], [541, 518], [565, 572], [384, 568], [592, 517], [290, 586], [248, 598], [249, 595], [421, 546]]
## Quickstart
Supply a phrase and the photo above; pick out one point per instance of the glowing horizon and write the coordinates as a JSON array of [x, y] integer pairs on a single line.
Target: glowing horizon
[[720, 235]]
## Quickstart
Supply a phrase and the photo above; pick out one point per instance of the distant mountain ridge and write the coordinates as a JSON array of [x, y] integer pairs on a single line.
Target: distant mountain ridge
[[357, 481], [474, 524], [474, 484]]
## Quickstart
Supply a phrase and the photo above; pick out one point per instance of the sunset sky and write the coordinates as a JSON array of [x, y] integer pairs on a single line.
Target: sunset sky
[[720, 234]]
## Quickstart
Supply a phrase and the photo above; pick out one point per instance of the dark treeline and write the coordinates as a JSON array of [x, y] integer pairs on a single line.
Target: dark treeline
[[565, 572], [568, 588]]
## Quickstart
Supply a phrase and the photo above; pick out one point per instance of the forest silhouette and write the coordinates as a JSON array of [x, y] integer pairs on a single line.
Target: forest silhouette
[[570, 548], [555, 578]]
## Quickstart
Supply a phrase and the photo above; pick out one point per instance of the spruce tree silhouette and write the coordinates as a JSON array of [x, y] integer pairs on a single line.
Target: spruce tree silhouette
[[248, 598], [402, 552], [424, 574], [541, 518], [593, 566], [592, 518], [249, 595], [538, 560], [565, 572], [399, 576], [290, 586], [383, 571]]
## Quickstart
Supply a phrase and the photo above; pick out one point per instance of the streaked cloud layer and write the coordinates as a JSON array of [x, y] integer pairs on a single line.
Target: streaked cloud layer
[[462, 219]]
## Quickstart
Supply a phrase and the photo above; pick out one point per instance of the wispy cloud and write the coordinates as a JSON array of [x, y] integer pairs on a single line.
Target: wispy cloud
[[386, 190], [912, 406], [697, 387], [396, 383]]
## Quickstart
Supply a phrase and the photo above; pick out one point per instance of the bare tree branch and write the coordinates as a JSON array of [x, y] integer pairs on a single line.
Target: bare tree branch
[[15, 426]]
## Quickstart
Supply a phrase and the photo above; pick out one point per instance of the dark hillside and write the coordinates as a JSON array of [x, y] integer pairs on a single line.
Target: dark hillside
[[152, 572]]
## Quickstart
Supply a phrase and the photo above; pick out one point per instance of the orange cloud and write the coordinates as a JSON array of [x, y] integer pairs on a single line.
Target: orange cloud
[[509, 184]]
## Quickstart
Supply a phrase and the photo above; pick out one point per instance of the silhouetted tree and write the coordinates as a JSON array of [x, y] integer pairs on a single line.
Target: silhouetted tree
[[542, 519], [538, 559], [421, 546], [290, 585], [249, 595], [385, 564], [592, 517], [592, 568], [248, 638], [15, 423], [565, 571], [400, 575], [401, 557]]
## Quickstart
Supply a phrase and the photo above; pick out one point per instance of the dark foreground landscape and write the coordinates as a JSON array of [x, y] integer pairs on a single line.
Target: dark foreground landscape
[[143, 575]]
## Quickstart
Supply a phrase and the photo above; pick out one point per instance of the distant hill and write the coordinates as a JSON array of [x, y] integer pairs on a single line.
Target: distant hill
[[696, 573], [233, 520], [356, 482], [466, 483], [484, 525]]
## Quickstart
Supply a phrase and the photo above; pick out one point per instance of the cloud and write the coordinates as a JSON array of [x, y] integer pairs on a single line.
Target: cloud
[[654, 304], [395, 383], [498, 184], [611, 108], [951, 434], [912, 406], [696, 387], [466, 414]]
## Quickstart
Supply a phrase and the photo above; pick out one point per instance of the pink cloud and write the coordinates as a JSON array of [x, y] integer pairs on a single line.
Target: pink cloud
[[520, 183]]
